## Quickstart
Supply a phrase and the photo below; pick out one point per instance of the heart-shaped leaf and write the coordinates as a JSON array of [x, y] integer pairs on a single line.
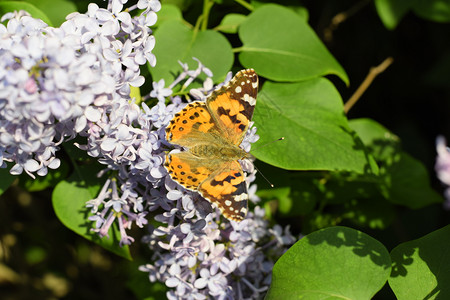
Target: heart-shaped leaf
[[281, 46], [332, 263], [310, 116], [421, 268], [176, 42]]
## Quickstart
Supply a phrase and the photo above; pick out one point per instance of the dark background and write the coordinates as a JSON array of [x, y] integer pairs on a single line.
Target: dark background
[[42, 259]]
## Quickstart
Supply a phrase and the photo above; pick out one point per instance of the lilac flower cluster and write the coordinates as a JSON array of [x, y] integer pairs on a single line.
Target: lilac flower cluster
[[131, 142], [55, 82], [202, 257], [195, 253]]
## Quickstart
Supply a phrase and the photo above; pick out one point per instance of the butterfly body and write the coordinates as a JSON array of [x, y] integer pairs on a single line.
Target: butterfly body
[[210, 134], [218, 152]]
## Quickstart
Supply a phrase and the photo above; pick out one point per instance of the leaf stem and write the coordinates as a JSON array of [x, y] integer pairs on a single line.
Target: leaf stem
[[238, 49], [373, 72], [207, 5], [245, 4]]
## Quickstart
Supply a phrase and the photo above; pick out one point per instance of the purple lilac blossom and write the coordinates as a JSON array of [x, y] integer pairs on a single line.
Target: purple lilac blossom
[[56, 82], [197, 253]]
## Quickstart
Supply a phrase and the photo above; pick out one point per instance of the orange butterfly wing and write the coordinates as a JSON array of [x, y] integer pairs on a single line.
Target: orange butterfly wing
[[211, 133]]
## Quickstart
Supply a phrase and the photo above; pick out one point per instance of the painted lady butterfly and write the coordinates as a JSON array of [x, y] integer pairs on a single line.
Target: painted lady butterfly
[[210, 133]]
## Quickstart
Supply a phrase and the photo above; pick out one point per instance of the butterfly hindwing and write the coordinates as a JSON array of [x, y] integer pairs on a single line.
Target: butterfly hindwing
[[187, 169], [227, 189]]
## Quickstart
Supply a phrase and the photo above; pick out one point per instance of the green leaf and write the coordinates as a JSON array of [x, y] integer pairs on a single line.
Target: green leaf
[[382, 143], [176, 42], [408, 183], [52, 178], [10, 6], [310, 116], [6, 179], [168, 12], [135, 93], [434, 10], [56, 10], [392, 11], [421, 268], [403, 179], [293, 5], [69, 202], [332, 263], [281, 46], [230, 23]]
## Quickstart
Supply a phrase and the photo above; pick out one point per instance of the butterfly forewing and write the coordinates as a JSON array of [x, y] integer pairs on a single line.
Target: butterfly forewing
[[233, 105]]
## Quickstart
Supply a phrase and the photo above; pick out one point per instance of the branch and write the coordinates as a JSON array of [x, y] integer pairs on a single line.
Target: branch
[[374, 71]]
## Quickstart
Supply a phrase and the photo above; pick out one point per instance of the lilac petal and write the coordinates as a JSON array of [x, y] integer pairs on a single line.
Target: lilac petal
[[151, 19], [80, 124], [172, 282], [200, 283], [55, 164], [204, 273], [185, 228], [155, 5], [42, 171], [110, 28], [175, 269], [138, 81], [159, 172], [31, 165], [110, 54], [108, 144], [174, 195], [92, 114], [116, 6], [16, 169], [123, 132], [103, 14]]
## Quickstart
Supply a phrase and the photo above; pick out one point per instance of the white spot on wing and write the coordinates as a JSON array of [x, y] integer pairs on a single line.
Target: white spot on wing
[[241, 197], [238, 89], [228, 202], [249, 99]]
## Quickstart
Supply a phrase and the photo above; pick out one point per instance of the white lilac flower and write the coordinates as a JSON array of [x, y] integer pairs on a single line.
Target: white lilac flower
[[56, 83], [159, 91], [195, 254]]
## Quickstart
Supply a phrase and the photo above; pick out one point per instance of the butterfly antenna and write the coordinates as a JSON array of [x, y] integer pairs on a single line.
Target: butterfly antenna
[[270, 183]]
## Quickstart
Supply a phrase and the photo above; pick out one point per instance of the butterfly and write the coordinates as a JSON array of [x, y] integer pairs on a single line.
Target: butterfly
[[210, 134]]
